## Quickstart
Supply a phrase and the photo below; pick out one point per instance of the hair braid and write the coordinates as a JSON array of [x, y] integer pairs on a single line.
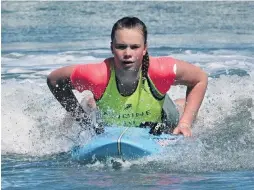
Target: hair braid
[[145, 66]]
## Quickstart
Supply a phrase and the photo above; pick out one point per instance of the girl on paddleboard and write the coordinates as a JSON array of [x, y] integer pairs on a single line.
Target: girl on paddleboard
[[130, 88]]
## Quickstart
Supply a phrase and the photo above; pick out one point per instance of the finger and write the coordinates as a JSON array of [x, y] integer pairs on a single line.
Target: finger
[[176, 131], [91, 103], [187, 133]]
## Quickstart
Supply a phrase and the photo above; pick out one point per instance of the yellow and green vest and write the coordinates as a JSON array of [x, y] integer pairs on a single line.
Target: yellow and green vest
[[141, 106]]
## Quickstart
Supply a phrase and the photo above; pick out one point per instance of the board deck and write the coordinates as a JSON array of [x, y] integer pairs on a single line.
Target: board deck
[[125, 142]]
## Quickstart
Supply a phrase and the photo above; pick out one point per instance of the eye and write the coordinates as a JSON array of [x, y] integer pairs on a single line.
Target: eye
[[134, 46], [120, 46]]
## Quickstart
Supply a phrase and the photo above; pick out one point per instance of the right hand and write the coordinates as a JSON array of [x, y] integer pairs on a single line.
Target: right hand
[[88, 104]]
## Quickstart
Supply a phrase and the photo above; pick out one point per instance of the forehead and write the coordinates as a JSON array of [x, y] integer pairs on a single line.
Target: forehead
[[129, 36]]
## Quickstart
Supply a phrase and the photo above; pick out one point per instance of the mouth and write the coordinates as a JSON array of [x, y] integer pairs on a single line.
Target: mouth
[[127, 62]]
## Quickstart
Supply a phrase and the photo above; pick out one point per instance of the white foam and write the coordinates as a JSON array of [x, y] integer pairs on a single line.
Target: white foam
[[47, 60], [18, 70], [203, 40], [31, 123], [63, 46], [214, 61], [210, 62]]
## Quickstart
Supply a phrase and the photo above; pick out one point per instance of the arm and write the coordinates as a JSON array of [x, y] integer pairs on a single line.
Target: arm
[[196, 81], [60, 85]]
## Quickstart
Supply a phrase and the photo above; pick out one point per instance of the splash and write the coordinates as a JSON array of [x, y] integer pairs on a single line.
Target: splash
[[33, 122]]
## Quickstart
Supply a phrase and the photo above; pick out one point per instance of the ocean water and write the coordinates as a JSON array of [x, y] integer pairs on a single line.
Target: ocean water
[[38, 37]]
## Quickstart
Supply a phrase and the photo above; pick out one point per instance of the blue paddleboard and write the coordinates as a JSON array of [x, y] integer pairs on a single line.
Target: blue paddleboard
[[124, 142]]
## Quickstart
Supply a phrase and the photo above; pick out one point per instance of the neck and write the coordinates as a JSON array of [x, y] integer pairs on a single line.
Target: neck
[[127, 76], [127, 81]]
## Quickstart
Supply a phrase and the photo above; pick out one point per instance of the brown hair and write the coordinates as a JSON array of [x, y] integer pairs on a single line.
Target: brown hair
[[133, 22]]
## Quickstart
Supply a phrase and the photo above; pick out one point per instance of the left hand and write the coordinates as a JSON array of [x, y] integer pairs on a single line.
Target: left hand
[[184, 129]]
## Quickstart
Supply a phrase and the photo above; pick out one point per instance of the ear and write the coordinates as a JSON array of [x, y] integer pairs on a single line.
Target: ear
[[145, 50], [111, 47]]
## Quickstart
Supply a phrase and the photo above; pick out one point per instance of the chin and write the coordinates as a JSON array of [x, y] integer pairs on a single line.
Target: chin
[[130, 68]]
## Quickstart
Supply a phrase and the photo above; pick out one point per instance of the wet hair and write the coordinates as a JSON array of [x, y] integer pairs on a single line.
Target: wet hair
[[133, 22]]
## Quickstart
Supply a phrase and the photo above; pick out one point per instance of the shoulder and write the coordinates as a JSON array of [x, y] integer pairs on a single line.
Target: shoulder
[[188, 73], [85, 70], [162, 72], [93, 77], [162, 65]]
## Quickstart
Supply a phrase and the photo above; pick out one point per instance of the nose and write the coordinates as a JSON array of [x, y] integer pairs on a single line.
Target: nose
[[128, 52]]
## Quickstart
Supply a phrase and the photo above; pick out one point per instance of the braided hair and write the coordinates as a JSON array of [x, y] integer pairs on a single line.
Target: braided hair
[[134, 22]]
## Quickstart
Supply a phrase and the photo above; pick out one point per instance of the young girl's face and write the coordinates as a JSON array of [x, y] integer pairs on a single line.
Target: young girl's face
[[128, 48]]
